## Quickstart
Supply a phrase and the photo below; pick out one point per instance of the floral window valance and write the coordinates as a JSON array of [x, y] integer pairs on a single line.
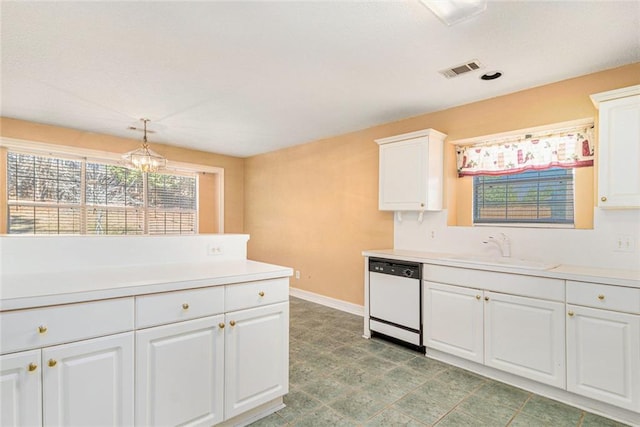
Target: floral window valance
[[571, 148]]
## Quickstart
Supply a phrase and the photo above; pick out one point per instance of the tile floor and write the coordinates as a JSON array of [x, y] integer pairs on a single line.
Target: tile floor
[[338, 378]]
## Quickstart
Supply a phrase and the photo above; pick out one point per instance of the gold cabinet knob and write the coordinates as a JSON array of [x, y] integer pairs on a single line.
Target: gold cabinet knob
[[42, 329], [570, 313], [232, 323], [603, 198], [221, 325], [478, 297], [185, 306], [261, 293], [52, 362], [32, 367], [486, 298], [601, 297]]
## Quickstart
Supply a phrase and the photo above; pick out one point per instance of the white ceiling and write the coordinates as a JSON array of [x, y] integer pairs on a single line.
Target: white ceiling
[[243, 78]]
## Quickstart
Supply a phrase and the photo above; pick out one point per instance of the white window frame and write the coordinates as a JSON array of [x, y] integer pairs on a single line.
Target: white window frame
[[89, 155]]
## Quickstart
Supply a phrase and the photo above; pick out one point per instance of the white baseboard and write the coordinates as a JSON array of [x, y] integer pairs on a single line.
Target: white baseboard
[[348, 307]]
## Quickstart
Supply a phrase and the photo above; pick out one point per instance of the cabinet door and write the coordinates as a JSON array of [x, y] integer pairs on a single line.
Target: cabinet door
[[603, 354], [180, 373], [403, 177], [619, 153], [453, 318], [89, 383], [20, 389], [256, 357], [525, 336]]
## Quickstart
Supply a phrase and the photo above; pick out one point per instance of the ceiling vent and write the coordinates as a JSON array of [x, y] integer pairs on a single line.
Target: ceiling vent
[[461, 69]]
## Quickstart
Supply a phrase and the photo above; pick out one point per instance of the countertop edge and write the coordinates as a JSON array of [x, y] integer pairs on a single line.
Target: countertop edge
[[565, 272], [268, 271]]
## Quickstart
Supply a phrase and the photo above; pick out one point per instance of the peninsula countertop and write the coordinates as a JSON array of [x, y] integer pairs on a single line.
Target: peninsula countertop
[[26, 290]]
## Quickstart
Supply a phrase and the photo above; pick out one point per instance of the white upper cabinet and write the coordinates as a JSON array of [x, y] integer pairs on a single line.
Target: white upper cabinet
[[411, 171], [619, 147]]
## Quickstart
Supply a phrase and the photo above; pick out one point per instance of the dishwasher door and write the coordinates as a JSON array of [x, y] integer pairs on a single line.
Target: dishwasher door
[[395, 299], [395, 302]]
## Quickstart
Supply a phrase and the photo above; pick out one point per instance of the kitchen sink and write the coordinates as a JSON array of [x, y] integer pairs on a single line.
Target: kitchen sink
[[503, 262]]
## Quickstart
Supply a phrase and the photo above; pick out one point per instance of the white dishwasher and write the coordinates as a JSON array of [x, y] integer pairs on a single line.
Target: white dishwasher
[[395, 301]]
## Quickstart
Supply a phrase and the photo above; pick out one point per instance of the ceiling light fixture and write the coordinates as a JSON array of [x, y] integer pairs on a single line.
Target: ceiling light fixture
[[454, 11], [143, 158]]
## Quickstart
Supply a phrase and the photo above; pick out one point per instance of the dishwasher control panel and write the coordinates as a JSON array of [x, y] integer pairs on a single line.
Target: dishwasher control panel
[[402, 269]]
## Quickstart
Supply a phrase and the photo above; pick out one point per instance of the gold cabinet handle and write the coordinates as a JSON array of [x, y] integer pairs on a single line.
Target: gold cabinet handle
[[601, 297], [486, 298], [232, 323], [52, 362], [261, 293], [570, 313], [221, 325], [32, 367], [603, 198], [42, 329], [478, 297], [185, 306]]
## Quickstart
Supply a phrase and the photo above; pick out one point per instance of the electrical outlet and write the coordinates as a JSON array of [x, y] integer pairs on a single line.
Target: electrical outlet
[[298, 274], [624, 243], [214, 250]]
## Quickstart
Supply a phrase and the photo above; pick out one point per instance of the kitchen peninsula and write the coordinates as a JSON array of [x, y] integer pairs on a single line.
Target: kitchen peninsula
[[140, 330]]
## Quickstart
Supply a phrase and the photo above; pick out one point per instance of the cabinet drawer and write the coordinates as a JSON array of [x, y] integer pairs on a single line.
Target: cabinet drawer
[[616, 298], [255, 294], [42, 327], [169, 307]]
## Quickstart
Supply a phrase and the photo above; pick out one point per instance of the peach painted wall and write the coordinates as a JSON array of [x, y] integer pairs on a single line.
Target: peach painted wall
[[233, 167], [313, 207]]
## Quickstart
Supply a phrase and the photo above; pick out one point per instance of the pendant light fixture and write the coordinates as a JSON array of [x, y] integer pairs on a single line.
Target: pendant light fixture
[[143, 158]]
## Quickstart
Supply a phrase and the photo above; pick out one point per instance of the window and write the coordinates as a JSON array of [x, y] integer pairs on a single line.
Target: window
[[532, 197], [48, 195], [527, 176]]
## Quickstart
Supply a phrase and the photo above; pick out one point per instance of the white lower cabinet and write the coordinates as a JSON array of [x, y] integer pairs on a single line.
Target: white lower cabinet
[[85, 383], [603, 351], [256, 357], [525, 336], [180, 373], [603, 345], [204, 371], [454, 320], [174, 358], [21, 389], [89, 383], [517, 334], [520, 335]]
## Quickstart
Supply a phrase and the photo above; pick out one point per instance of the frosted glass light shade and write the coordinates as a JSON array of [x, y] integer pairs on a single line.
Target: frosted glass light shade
[[453, 11]]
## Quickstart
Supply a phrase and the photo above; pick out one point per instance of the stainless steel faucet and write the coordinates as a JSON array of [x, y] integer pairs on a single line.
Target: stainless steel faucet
[[503, 243]]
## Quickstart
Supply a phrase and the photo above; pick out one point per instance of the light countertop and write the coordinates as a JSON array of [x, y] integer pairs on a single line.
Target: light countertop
[[630, 278], [26, 290]]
